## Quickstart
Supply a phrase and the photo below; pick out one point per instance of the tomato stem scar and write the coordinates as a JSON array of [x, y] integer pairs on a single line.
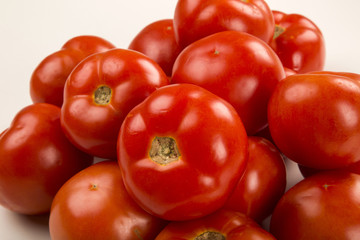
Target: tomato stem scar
[[210, 235], [102, 95], [278, 31], [164, 150]]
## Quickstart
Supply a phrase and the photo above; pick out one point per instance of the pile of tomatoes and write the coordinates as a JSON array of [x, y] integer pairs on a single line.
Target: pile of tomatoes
[[185, 134]]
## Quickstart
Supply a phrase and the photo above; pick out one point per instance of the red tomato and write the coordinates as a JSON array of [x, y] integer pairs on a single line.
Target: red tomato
[[221, 225], [48, 79], [157, 41], [182, 151], [263, 182], [354, 76], [307, 172], [298, 42], [95, 205], [99, 93], [314, 120], [36, 159], [324, 206], [196, 19], [246, 80]]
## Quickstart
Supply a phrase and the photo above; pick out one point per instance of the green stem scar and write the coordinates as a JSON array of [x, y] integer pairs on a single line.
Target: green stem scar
[[210, 235], [102, 95], [164, 150], [278, 31]]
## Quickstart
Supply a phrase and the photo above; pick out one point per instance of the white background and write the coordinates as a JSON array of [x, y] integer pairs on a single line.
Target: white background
[[31, 30]]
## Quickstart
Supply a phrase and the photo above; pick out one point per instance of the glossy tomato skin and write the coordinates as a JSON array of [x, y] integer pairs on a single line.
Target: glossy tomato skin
[[48, 79], [231, 224], [212, 150], [324, 206], [94, 204], [36, 159], [246, 80], [99, 93], [313, 119], [298, 42], [263, 182], [157, 41], [196, 19]]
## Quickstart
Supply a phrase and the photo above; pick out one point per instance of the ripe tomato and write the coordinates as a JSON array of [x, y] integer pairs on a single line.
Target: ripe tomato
[[263, 182], [237, 67], [221, 225], [36, 159], [157, 41], [94, 204], [182, 151], [298, 42], [196, 19], [99, 93], [324, 206], [48, 79], [314, 120], [306, 171]]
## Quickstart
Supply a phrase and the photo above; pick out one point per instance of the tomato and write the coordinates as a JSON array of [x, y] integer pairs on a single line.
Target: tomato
[[314, 120], [99, 93], [157, 41], [324, 206], [306, 171], [94, 204], [221, 225], [182, 151], [48, 79], [298, 42], [36, 159], [263, 182], [351, 75], [196, 19], [245, 79]]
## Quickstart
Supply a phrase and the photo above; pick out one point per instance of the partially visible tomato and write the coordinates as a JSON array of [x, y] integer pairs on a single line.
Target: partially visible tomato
[[157, 41], [36, 159], [324, 206], [351, 75], [314, 120], [298, 42], [196, 19], [236, 66], [221, 225], [182, 151], [99, 93], [94, 204], [307, 172], [48, 79], [263, 182]]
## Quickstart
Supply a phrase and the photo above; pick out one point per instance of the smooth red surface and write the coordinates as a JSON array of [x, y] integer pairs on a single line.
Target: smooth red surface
[[263, 182], [301, 45], [212, 143], [48, 79], [95, 205], [157, 41], [314, 120], [196, 19], [324, 206], [233, 225], [130, 75], [236, 66], [36, 159]]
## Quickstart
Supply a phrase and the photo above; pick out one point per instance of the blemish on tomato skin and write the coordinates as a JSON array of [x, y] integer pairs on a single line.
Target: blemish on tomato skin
[[93, 187]]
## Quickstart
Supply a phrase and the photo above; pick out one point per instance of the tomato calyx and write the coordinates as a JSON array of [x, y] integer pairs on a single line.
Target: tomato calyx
[[278, 31], [164, 150], [102, 95], [210, 235]]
